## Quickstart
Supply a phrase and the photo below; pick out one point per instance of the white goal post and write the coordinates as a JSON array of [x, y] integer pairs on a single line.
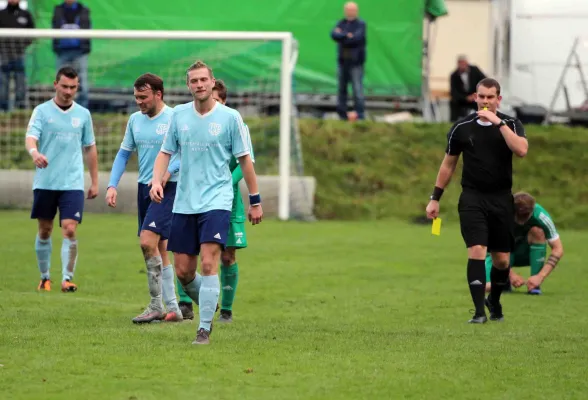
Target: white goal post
[[288, 58]]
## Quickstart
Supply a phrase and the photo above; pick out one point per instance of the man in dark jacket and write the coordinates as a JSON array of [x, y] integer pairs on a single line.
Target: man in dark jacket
[[12, 54], [72, 14], [463, 82], [350, 35]]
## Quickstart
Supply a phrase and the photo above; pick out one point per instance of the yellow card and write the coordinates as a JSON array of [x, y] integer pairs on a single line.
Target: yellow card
[[436, 230]]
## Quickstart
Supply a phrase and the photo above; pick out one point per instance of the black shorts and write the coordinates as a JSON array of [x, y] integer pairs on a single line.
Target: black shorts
[[487, 220]]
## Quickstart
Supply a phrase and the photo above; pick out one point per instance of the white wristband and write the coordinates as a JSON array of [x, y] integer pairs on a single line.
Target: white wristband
[[31, 151]]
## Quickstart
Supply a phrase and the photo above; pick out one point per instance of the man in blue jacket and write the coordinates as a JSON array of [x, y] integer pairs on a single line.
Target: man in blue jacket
[[350, 35], [70, 51]]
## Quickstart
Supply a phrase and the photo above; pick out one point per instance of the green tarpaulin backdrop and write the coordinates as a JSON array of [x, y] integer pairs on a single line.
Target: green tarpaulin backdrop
[[394, 52]]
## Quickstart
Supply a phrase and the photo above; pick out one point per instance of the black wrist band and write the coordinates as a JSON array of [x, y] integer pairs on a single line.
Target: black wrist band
[[437, 193]]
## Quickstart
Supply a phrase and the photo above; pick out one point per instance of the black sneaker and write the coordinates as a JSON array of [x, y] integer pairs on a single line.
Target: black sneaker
[[478, 318], [495, 310], [187, 310], [226, 316], [202, 337]]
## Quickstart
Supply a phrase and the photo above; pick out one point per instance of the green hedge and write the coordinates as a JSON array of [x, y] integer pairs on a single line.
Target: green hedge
[[375, 170]]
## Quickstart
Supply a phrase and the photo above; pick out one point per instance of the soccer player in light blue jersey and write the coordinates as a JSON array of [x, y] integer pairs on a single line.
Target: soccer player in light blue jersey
[[58, 130], [144, 134], [207, 134]]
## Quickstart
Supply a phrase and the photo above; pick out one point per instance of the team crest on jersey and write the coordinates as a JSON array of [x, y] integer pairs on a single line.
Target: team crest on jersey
[[162, 129], [214, 129], [75, 122]]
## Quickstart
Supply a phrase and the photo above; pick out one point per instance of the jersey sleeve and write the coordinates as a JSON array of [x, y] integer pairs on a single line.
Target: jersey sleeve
[[170, 141], [128, 142], [88, 138], [518, 128], [239, 137], [251, 153], [453, 147], [548, 226], [35, 127]]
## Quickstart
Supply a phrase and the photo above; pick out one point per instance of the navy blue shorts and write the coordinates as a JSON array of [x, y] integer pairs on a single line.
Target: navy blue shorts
[[189, 231], [156, 217], [70, 204]]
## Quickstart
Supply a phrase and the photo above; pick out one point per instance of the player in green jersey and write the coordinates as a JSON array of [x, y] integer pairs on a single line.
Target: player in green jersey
[[534, 230], [237, 238]]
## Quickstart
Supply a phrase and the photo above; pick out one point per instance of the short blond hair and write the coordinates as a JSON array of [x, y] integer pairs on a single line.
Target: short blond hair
[[198, 65]]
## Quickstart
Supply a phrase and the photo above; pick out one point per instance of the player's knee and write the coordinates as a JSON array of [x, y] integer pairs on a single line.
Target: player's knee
[[149, 243], [536, 235], [500, 263], [69, 231], [228, 257], [45, 232], [477, 252]]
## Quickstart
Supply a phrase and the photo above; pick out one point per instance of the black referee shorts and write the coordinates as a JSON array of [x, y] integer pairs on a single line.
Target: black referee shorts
[[487, 220]]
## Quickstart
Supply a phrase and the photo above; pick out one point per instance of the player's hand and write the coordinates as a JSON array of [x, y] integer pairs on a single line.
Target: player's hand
[[350, 35], [93, 191], [534, 282], [516, 280], [39, 160], [156, 192], [432, 209], [255, 214], [490, 116], [338, 30], [111, 194]]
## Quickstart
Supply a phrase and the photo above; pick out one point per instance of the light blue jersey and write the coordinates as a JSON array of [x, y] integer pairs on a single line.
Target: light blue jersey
[[206, 143], [145, 135], [60, 137]]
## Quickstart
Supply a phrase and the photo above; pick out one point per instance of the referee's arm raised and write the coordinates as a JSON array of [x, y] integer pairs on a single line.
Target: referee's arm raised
[[513, 136]]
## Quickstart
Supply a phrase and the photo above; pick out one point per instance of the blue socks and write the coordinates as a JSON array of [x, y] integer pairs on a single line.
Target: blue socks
[[69, 258], [209, 293], [43, 250], [192, 289], [169, 289]]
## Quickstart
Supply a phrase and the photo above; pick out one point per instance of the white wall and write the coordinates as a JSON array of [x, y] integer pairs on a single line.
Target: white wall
[[465, 30]]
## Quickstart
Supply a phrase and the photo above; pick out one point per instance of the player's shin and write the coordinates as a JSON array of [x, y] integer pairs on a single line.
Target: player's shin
[[184, 298], [43, 249], [69, 258], [154, 279], [192, 288], [537, 257], [476, 274], [499, 279], [209, 294], [168, 289], [229, 281]]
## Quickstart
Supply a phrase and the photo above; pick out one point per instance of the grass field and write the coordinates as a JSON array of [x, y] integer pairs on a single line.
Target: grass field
[[329, 310]]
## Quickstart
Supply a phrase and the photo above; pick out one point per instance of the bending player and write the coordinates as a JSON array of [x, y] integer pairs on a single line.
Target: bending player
[[237, 238], [57, 132], [145, 132], [207, 134], [534, 229]]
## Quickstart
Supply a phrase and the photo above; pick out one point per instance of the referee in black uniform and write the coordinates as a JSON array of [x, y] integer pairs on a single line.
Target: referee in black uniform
[[487, 138]]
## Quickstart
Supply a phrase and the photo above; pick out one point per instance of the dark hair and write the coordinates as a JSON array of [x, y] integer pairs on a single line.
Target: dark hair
[[221, 88], [68, 72], [524, 204], [489, 83], [149, 80]]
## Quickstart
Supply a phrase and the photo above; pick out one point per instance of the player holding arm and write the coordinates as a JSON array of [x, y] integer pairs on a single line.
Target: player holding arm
[[57, 132], [144, 134], [534, 230], [207, 134], [237, 238]]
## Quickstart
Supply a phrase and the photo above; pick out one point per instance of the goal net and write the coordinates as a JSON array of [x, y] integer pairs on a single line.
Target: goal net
[[257, 68]]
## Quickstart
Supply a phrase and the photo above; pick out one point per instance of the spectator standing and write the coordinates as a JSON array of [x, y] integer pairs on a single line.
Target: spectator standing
[[72, 14], [350, 35]]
